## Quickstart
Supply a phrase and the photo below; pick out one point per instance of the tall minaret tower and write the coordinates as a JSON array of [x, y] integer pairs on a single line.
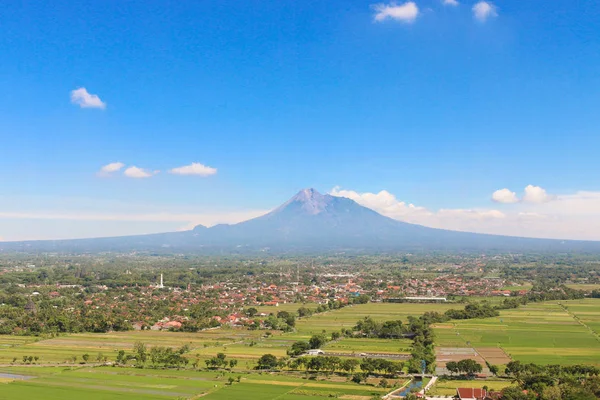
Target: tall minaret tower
[[161, 282]]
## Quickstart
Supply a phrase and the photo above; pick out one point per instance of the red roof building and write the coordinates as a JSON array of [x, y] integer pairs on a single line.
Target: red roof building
[[471, 394]]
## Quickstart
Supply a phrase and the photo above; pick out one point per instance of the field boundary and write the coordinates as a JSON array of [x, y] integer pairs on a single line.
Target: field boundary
[[576, 318]]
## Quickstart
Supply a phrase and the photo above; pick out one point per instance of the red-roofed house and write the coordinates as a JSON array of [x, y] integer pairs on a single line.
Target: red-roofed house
[[471, 394]]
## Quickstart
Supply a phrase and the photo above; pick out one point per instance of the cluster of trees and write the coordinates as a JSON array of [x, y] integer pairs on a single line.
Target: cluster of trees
[[419, 329], [544, 290], [158, 356], [552, 382], [385, 330], [70, 311], [464, 367], [220, 361], [472, 311], [380, 365], [331, 364], [332, 305]]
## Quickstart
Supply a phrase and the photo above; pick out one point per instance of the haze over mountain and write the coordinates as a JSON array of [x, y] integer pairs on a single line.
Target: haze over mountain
[[309, 222]]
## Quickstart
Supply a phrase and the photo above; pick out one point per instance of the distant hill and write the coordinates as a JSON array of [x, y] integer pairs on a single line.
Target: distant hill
[[310, 222]]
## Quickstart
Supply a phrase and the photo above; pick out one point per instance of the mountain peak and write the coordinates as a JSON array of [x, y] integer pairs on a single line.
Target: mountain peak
[[307, 194], [309, 200]]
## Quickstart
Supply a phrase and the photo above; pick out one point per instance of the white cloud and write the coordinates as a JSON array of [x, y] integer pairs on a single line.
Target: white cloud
[[108, 169], [135, 172], [383, 202], [387, 204], [406, 12], [83, 99], [450, 2], [484, 10], [536, 194], [569, 216], [505, 196], [194, 169]]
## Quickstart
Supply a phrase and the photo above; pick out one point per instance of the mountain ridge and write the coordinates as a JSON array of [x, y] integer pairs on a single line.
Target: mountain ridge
[[308, 222]]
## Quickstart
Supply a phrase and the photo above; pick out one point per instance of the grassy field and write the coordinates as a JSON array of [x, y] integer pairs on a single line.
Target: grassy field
[[584, 286], [543, 333], [448, 388], [110, 383]]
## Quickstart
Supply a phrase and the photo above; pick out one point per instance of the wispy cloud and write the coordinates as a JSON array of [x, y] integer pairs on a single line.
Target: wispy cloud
[[111, 168], [135, 172], [484, 10], [194, 169], [84, 99], [406, 12], [450, 2]]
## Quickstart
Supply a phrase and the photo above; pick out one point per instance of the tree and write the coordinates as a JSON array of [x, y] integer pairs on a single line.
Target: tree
[[267, 361], [349, 364], [298, 348], [232, 363], [359, 377], [362, 299], [85, 357], [494, 369], [304, 312], [468, 366], [317, 341], [514, 393], [551, 393], [231, 380], [251, 312], [452, 366]]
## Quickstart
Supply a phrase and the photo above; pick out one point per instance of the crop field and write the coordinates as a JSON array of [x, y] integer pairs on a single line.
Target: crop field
[[64, 348], [245, 345], [352, 345], [109, 383], [346, 318], [543, 333], [586, 312], [446, 354]]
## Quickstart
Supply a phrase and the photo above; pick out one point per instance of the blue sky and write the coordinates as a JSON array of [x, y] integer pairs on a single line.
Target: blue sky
[[439, 104]]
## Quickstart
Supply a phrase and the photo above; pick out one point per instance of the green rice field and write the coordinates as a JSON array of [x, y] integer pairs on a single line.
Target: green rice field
[[542, 333], [108, 383]]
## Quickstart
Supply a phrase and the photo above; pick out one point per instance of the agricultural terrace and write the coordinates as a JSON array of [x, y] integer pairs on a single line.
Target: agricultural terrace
[[108, 383], [542, 333]]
